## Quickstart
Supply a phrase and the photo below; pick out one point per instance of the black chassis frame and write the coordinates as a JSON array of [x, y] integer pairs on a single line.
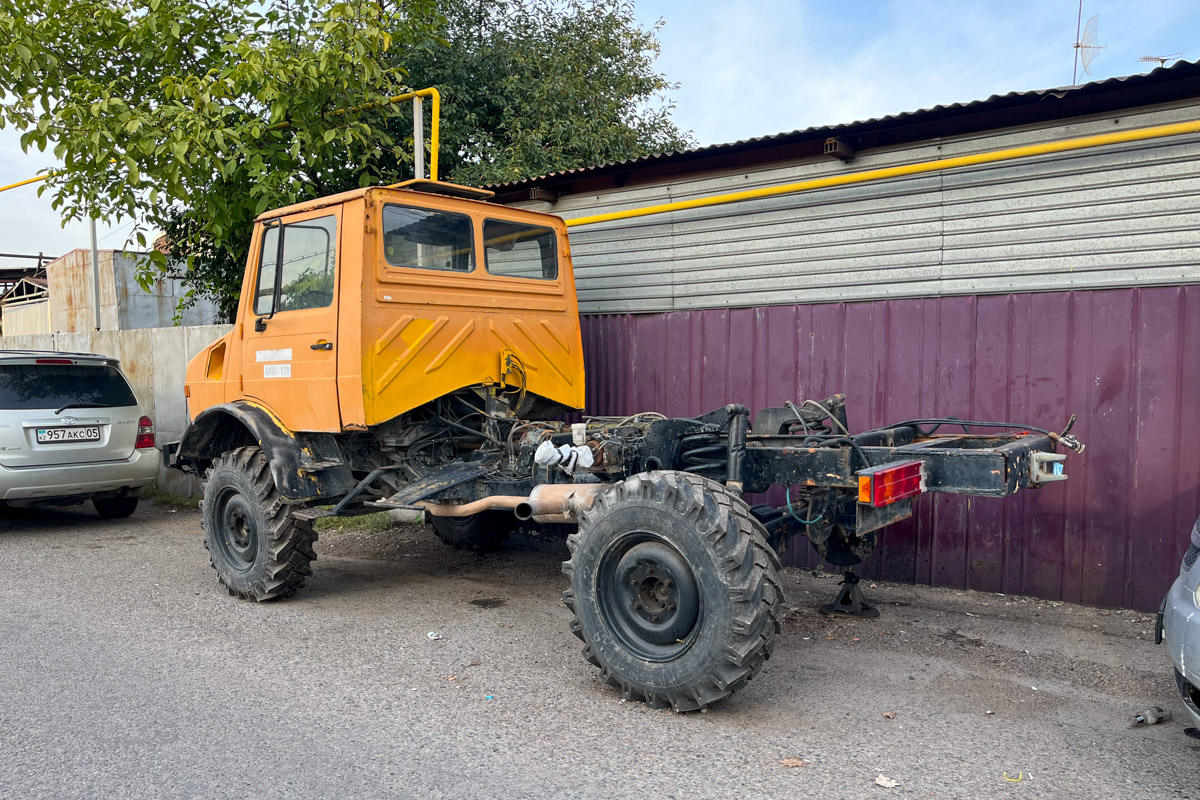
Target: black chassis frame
[[816, 466], [817, 462]]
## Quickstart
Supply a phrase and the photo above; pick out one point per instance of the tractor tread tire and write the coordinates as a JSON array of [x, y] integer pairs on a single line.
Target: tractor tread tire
[[735, 543], [289, 550], [479, 533]]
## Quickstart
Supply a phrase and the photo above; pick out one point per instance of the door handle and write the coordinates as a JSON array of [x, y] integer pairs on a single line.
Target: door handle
[[321, 346]]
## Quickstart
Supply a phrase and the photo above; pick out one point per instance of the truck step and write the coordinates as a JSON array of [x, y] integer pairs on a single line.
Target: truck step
[[312, 514]]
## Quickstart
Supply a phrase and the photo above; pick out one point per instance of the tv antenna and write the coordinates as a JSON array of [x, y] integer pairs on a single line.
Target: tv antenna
[[1162, 60], [1086, 47]]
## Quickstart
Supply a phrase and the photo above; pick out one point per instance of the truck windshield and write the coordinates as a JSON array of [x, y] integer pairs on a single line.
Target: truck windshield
[[417, 237], [52, 386], [520, 251]]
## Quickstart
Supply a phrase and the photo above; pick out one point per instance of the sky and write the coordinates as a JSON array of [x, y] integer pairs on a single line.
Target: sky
[[754, 68]]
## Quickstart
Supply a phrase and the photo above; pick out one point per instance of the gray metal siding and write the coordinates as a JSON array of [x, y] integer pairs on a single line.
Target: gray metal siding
[[1122, 215]]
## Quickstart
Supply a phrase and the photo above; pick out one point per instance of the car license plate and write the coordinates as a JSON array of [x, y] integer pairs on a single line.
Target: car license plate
[[82, 433]]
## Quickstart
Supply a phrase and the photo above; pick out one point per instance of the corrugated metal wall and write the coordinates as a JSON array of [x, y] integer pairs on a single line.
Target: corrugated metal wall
[[1124, 360], [1023, 303], [25, 318], [1116, 216]]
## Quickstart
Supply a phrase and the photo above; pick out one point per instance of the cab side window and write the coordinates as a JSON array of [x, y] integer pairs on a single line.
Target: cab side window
[[296, 266]]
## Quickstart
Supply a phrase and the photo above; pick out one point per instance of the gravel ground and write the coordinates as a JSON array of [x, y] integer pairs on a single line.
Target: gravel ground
[[128, 672]]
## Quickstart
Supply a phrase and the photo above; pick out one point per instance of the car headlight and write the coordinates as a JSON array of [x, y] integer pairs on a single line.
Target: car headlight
[[1197, 593]]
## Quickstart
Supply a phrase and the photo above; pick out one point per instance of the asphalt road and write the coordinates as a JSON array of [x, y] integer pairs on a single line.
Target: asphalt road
[[128, 672]]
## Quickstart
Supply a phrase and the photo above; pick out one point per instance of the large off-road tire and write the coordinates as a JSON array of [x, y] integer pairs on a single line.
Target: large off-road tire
[[674, 589], [480, 532], [115, 507], [259, 551]]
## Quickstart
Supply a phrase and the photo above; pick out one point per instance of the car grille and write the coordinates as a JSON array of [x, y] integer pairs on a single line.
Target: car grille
[[1189, 558]]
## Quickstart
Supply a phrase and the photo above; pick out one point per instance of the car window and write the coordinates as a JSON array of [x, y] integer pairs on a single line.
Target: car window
[[51, 386], [416, 237], [520, 251], [309, 253]]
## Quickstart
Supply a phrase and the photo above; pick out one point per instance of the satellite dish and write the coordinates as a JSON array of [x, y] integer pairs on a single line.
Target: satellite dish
[[1162, 60], [1086, 44]]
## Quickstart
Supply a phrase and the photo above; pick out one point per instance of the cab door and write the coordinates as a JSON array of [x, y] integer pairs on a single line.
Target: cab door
[[290, 349]]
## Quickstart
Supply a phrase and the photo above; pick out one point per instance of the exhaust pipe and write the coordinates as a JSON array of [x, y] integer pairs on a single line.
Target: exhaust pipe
[[550, 502], [500, 502]]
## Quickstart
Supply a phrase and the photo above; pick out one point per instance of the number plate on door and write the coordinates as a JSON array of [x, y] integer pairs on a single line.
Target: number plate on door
[[85, 433]]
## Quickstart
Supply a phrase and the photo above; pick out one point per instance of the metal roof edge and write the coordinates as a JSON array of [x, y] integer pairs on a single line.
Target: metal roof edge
[[1179, 71]]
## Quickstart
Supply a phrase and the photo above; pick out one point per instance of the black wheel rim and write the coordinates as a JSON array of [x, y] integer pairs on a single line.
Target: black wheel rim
[[237, 533], [648, 597]]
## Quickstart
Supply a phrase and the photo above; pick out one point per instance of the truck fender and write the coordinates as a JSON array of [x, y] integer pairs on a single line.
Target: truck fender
[[305, 466]]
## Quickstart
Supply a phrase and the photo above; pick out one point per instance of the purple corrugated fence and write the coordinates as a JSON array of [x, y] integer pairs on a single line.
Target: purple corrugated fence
[[1127, 361]]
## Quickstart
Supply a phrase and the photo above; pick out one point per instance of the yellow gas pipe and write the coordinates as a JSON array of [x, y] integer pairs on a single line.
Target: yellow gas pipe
[[846, 179], [919, 168], [25, 182]]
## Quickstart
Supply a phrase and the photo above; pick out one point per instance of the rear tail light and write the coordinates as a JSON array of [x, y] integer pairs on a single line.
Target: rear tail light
[[53, 361], [890, 483], [145, 437]]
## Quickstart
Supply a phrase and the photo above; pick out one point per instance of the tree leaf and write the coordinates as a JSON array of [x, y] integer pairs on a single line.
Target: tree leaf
[[221, 109]]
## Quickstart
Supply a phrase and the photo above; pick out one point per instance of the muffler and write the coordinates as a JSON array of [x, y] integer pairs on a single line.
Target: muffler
[[559, 502]]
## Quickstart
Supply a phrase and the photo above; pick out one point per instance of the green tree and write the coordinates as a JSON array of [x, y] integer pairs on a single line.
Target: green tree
[[194, 116], [537, 86]]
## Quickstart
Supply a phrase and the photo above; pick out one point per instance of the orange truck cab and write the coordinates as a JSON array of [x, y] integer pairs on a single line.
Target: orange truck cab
[[361, 306]]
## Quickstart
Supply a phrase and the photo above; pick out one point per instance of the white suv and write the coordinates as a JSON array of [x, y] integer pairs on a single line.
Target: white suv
[[71, 430]]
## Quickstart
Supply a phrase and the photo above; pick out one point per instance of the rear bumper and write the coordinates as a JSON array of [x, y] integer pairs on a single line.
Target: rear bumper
[[38, 483], [1181, 632]]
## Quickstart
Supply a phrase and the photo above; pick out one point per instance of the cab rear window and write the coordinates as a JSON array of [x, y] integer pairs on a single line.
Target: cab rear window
[[52, 386]]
